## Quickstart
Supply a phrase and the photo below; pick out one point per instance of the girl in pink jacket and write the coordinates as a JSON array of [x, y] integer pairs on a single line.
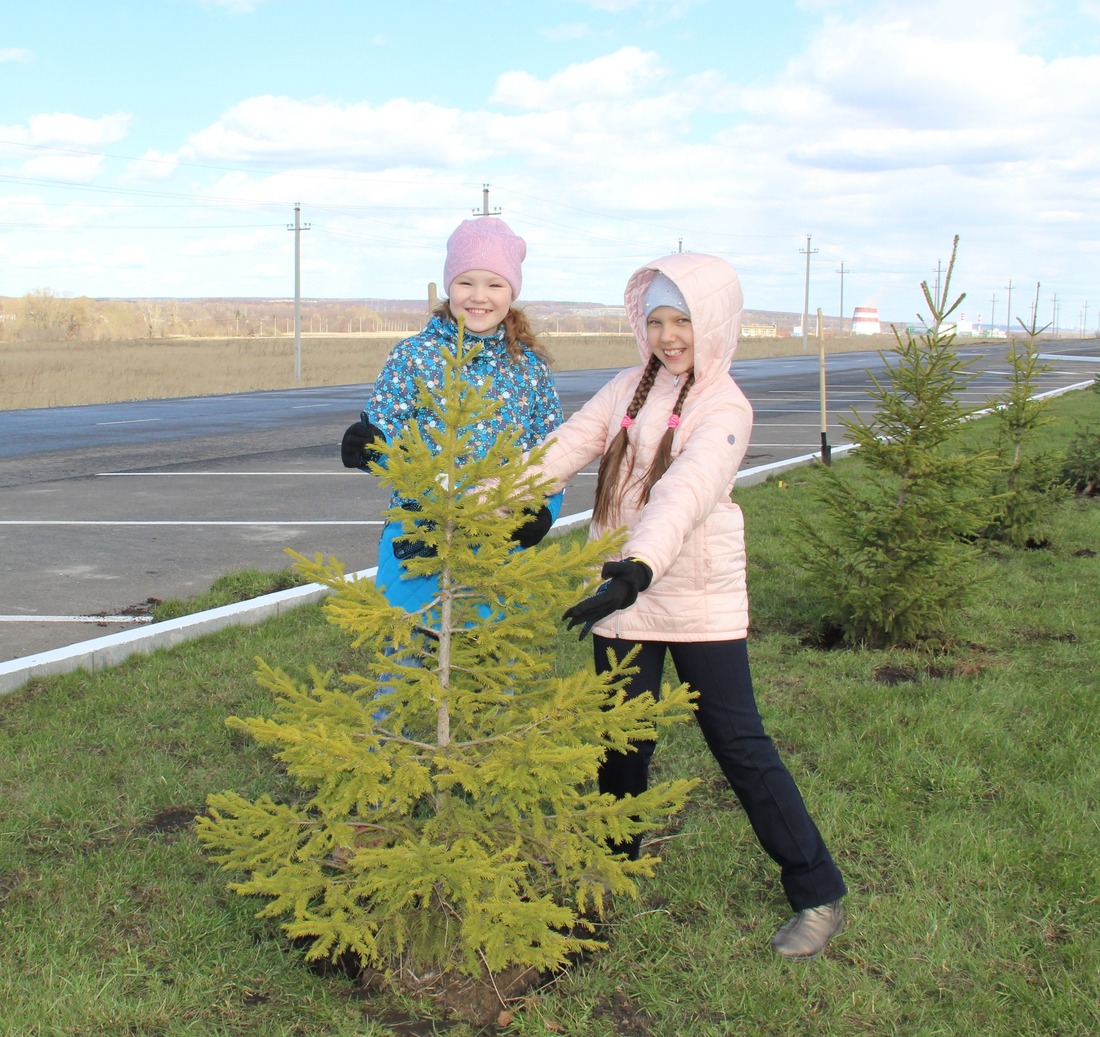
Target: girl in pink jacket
[[672, 434]]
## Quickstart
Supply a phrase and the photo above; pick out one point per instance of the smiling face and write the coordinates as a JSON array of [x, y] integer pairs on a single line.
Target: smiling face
[[481, 297], [671, 338]]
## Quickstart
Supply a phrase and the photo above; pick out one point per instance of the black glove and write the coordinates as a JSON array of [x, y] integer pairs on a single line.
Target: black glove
[[405, 548], [357, 439], [535, 528], [624, 582], [407, 545]]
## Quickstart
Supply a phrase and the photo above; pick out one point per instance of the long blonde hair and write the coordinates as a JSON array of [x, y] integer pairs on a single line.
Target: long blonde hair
[[617, 461], [518, 333]]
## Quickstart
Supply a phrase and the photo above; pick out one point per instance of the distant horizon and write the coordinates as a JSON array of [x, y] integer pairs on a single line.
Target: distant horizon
[[408, 304]]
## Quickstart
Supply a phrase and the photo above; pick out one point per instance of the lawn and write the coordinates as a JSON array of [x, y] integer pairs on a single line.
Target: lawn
[[958, 791]]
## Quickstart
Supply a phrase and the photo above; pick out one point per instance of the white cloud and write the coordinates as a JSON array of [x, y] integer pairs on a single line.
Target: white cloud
[[228, 244], [618, 75], [16, 54], [235, 7], [128, 256], [613, 6], [65, 130], [280, 130], [151, 166], [62, 146], [73, 168]]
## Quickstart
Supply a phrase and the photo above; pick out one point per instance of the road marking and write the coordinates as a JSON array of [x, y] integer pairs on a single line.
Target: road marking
[[176, 475], [130, 421], [76, 619], [177, 522]]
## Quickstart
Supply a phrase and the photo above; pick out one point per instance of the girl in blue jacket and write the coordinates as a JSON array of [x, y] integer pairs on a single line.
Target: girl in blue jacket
[[482, 276]]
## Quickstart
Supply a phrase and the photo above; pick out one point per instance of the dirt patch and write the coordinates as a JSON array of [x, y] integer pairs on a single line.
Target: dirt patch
[[628, 1019], [486, 1001], [892, 674], [171, 819]]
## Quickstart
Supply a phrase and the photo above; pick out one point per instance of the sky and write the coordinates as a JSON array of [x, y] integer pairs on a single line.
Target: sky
[[831, 150]]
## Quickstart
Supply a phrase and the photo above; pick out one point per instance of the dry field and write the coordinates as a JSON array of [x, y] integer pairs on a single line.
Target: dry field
[[58, 374]]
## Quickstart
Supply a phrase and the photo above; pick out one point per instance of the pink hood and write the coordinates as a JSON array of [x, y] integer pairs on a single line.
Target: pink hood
[[713, 293]]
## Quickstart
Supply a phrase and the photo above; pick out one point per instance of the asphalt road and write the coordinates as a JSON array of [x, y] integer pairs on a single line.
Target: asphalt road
[[106, 507]]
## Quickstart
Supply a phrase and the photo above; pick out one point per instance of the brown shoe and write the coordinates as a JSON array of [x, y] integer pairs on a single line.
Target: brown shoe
[[809, 932]]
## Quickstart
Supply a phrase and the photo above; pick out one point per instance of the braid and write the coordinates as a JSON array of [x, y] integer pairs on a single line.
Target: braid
[[614, 461], [520, 336], [663, 457]]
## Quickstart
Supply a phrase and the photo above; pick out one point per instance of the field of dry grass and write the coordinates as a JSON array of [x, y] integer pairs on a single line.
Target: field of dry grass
[[57, 374]]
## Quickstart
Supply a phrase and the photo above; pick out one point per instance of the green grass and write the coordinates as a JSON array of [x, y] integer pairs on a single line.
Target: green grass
[[959, 793], [242, 585]]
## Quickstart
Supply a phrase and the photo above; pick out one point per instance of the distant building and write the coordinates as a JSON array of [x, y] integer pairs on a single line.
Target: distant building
[[865, 321], [759, 331]]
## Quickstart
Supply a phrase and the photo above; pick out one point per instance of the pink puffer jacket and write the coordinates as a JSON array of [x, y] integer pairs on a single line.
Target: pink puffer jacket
[[690, 533]]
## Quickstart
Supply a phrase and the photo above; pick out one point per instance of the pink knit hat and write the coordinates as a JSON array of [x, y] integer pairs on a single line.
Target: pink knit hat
[[485, 243]]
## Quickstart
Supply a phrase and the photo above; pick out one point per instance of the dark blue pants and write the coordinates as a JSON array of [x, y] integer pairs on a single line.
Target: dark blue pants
[[731, 724]]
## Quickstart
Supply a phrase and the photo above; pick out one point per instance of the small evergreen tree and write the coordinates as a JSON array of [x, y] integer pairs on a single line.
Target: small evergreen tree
[[448, 819], [1026, 483], [1081, 464], [891, 552]]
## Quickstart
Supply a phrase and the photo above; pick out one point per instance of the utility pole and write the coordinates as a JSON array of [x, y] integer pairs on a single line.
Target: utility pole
[[1084, 318], [680, 245], [1008, 318], [939, 302], [806, 297], [826, 450], [485, 210], [841, 271], [1054, 317], [298, 228], [1035, 307], [993, 313]]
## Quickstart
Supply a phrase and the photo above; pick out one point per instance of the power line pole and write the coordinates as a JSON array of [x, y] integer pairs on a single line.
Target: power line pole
[[826, 450], [842, 271], [1084, 318], [1054, 320], [485, 210], [806, 297], [1035, 307], [993, 313], [1008, 317], [298, 228]]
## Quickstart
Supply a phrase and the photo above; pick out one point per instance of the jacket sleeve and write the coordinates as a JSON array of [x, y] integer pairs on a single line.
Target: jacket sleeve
[[392, 403], [699, 479], [580, 440], [546, 412]]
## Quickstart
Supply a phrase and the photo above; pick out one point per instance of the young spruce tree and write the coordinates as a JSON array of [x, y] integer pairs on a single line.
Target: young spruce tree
[[448, 819], [1027, 484], [891, 546]]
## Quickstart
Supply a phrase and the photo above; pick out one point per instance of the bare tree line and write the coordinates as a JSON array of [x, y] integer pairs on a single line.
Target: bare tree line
[[45, 315]]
